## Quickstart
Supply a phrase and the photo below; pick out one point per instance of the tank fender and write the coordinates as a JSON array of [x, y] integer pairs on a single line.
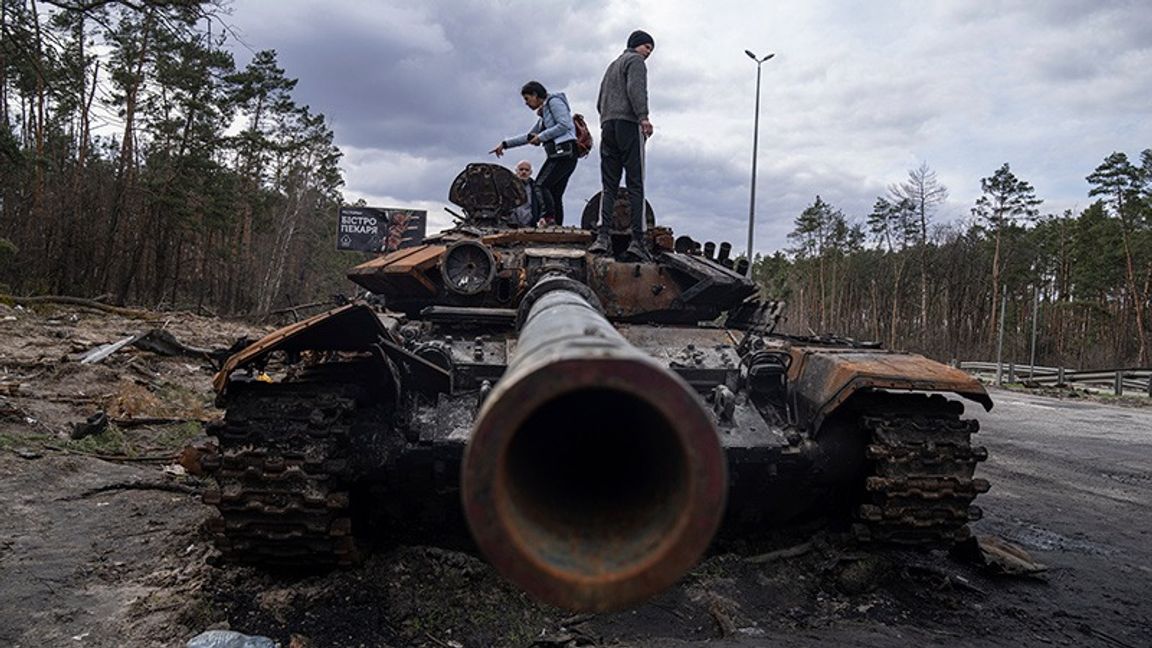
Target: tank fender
[[352, 327], [821, 380]]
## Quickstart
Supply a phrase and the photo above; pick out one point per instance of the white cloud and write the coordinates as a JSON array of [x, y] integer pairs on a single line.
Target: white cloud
[[857, 94]]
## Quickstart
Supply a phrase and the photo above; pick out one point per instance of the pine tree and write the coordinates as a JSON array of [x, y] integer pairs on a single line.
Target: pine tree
[[1005, 202], [1124, 188]]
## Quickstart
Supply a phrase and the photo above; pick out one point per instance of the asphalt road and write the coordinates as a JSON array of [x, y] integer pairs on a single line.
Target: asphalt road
[[1072, 483]]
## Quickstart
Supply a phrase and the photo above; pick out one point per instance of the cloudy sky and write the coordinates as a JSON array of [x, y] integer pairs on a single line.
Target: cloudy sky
[[859, 92]]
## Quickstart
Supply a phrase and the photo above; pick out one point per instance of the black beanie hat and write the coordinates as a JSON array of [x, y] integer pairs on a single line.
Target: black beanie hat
[[638, 38]]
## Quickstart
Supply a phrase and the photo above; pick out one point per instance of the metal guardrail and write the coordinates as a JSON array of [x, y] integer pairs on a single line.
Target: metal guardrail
[[1119, 381]]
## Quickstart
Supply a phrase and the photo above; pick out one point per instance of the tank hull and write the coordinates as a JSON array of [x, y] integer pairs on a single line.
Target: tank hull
[[779, 468]]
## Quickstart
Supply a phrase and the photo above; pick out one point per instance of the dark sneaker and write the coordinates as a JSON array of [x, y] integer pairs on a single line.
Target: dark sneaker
[[601, 245], [637, 252]]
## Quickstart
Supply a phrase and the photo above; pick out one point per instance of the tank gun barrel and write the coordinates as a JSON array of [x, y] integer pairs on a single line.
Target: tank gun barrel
[[594, 478]]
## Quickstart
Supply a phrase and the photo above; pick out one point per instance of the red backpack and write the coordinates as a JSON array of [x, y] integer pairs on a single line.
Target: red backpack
[[584, 139]]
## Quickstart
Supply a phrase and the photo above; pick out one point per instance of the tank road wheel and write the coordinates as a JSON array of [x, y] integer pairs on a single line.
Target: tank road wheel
[[281, 473], [920, 464]]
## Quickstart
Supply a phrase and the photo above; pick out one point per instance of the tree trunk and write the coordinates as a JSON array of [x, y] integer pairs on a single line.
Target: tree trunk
[[126, 165], [995, 288], [1137, 296], [895, 303]]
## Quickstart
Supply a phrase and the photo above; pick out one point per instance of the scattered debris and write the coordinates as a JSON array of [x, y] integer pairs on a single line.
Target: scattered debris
[[137, 486], [194, 451], [103, 351], [76, 301], [723, 621], [144, 421], [1008, 558], [780, 554], [444, 644], [860, 574], [569, 635], [10, 411], [142, 459], [164, 343], [175, 470], [942, 578], [576, 619], [25, 453], [961, 583], [564, 639], [95, 424], [228, 639], [295, 310], [726, 613], [998, 556]]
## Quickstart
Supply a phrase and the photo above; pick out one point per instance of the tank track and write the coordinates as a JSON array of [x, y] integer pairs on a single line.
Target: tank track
[[281, 493], [920, 485]]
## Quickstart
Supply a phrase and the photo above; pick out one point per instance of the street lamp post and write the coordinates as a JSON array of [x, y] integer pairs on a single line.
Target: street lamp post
[[755, 145]]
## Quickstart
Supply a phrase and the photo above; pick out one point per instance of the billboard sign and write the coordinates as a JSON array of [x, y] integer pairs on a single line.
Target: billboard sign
[[380, 229]]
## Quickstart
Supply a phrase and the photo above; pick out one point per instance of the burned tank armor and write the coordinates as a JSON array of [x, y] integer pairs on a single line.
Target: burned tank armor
[[583, 420]]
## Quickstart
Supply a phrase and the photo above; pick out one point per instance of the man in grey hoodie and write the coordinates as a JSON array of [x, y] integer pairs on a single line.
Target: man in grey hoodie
[[624, 125]]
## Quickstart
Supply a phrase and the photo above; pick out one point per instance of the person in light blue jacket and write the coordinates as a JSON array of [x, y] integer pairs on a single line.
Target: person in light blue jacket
[[556, 132]]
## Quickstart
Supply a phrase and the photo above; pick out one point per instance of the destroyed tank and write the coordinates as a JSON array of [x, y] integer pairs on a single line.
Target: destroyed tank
[[590, 423]]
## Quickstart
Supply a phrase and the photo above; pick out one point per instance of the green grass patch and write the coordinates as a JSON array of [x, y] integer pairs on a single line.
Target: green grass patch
[[111, 441], [184, 399], [174, 436], [27, 439]]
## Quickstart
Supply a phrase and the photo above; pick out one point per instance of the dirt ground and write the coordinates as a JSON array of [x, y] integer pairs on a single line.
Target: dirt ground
[[101, 540]]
